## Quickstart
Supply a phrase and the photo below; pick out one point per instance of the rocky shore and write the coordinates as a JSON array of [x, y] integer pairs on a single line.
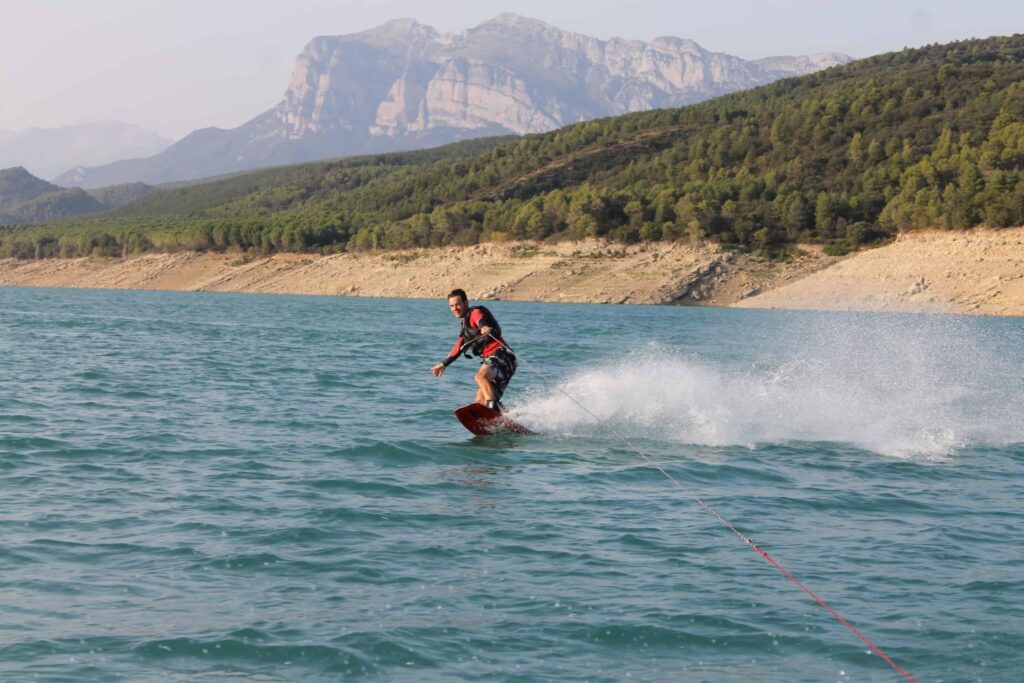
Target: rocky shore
[[979, 271]]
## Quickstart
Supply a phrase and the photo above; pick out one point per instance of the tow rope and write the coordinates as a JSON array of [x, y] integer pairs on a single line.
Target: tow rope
[[743, 537]]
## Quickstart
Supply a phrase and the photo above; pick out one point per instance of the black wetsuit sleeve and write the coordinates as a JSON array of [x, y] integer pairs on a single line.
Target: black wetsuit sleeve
[[455, 352]]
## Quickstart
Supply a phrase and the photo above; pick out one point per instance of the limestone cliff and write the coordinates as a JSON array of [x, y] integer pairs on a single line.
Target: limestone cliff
[[518, 74]]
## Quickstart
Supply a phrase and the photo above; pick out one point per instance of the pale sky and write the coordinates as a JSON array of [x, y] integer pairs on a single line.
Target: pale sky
[[172, 66]]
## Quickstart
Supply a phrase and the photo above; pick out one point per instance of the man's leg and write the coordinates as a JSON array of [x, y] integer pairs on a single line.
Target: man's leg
[[485, 390]]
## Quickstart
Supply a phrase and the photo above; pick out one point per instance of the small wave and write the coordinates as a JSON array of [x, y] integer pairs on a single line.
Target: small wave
[[247, 650], [25, 443], [332, 379], [15, 418], [629, 635], [93, 374], [363, 488], [253, 561], [398, 453]]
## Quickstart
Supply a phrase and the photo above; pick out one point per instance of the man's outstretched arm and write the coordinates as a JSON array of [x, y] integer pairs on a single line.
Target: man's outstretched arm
[[439, 369]]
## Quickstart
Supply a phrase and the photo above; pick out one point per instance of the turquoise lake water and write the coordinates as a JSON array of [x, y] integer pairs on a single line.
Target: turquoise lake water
[[215, 487]]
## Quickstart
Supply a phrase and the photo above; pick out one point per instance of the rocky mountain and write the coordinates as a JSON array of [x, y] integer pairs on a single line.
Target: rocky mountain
[[25, 198], [404, 85], [46, 152]]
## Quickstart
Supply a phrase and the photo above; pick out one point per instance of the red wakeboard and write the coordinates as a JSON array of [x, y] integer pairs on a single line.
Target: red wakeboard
[[483, 421]]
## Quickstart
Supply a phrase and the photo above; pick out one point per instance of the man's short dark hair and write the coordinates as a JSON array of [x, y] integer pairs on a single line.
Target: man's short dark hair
[[461, 293]]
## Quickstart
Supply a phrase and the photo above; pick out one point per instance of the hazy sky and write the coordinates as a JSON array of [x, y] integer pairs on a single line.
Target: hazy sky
[[175, 65]]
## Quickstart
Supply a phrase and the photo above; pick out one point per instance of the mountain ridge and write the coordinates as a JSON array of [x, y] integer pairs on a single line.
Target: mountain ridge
[[404, 85], [48, 152]]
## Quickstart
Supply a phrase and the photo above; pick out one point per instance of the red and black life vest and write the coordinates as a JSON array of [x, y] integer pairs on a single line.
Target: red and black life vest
[[468, 333]]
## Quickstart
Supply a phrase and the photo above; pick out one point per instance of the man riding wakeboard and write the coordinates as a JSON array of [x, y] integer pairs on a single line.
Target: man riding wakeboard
[[480, 335]]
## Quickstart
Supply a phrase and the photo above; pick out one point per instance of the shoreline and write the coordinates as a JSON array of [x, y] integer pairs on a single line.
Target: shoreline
[[979, 271]]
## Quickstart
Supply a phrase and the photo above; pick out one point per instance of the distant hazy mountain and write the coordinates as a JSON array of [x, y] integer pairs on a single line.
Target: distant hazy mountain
[[45, 152], [404, 85], [25, 198]]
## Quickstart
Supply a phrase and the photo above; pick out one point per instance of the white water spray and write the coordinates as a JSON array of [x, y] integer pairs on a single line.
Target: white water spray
[[896, 385]]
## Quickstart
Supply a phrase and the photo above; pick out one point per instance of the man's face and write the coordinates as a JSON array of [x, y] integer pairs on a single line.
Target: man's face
[[458, 306]]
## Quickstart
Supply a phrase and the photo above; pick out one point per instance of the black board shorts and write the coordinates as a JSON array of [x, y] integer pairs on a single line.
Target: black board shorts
[[504, 365]]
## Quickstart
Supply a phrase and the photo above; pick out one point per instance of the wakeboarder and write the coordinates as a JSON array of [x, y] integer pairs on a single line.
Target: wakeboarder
[[480, 335]]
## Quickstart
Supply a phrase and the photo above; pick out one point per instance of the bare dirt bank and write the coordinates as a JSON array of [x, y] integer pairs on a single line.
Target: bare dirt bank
[[979, 271], [590, 271]]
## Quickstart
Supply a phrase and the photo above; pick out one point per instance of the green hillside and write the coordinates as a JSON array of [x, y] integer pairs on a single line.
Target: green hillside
[[53, 206], [25, 198], [926, 137], [118, 195], [18, 185]]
